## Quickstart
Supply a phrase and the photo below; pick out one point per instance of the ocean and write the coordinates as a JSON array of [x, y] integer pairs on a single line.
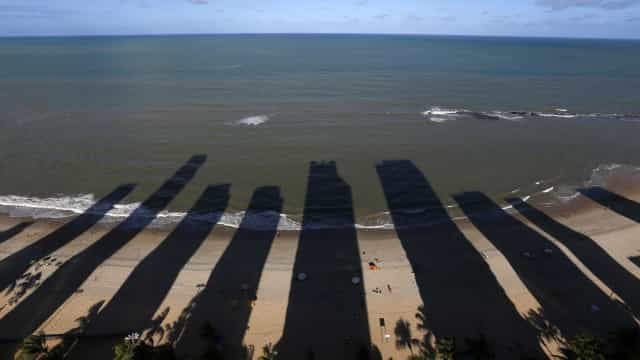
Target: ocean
[[529, 117]]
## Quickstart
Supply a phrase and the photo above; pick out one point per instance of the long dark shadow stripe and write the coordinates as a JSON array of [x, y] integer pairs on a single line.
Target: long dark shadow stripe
[[569, 299], [621, 281], [13, 231], [613, 201], [133, 306], [56, 289], [327, 313], [226, 300], [461, 294], [17, 263]]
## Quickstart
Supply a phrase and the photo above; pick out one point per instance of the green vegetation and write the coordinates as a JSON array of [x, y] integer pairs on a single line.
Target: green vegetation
[[446, 348], [583, 347], [132, 348], [268, 353], [622, 344], [34, 347]]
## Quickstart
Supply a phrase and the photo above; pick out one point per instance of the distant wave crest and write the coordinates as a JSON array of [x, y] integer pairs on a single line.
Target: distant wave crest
[[254, 120], [439, 114]]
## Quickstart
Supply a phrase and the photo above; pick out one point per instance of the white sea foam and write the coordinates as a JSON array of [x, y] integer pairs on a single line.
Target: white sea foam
[[568, 197], [505, 115], [253, 120], [438, 114], [64, 206], [603, 175], [67, 206], [50, 207], [436, 110], [61, 207], [442, 114], [563, 116]]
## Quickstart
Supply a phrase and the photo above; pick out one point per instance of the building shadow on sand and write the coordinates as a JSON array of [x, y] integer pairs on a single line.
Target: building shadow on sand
[[462, 298], [219, 315], [605, 267], [613, 201], [326, 316], [133, 306], [13, 231], [15, 265], [569, 299], [36, 308]]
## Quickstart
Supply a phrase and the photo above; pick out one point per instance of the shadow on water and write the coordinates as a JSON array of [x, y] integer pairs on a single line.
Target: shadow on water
[[326, 316], [55, 290], [569, 299], [621, 281], [226, 301], [15, 230], [14, 265], [132, 307], [461, 295], [615, 202]]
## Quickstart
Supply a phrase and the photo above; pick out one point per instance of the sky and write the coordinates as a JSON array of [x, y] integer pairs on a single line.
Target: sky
[[556, 18]]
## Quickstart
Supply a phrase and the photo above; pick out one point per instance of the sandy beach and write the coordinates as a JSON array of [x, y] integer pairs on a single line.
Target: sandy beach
[[393, 290]]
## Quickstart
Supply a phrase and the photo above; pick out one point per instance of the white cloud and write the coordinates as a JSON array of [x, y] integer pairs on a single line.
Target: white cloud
[[599, 4]]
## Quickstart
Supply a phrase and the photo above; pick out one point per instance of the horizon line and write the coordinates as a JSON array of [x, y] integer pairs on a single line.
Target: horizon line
[[43, 36]]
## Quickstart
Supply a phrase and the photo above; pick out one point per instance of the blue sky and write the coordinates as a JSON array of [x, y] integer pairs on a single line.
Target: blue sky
[[571, 18]]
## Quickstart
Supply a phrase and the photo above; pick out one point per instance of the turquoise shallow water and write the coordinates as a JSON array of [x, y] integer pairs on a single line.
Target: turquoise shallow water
[[83, 115]]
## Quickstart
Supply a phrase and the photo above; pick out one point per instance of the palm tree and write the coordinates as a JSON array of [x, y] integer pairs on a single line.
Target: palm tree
[[427, 349], [246, 352], [583, 346], [268, 353], [404, 337], [126, 350], [34, 347], [546, 329], [421, 316], [446, 348]]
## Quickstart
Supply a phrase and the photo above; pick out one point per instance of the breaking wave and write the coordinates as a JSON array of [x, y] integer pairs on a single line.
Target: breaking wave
[[550, 192], [252, 120], [63, 207], [438, 114]]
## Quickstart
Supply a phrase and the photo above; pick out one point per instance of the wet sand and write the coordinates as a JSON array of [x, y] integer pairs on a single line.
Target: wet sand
[[391, 290]]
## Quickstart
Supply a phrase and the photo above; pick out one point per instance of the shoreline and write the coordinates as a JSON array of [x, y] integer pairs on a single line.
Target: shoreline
[[557, 198]]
